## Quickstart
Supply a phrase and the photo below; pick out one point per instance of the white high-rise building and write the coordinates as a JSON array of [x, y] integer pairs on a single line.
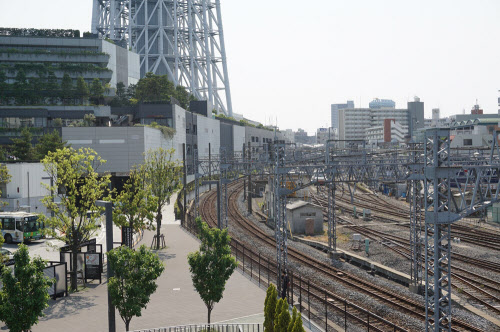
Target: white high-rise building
[[335, 112], [353, 122]]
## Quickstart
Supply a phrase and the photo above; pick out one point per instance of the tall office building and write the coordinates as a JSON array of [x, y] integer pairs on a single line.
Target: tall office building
[[335, 112], [435, 117], [415, 115]]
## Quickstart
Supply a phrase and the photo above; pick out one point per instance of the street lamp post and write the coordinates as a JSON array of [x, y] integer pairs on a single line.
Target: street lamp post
[[109, 246]]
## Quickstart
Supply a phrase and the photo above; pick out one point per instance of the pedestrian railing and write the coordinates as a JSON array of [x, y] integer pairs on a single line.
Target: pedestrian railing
[[209, 328], [316, 304]]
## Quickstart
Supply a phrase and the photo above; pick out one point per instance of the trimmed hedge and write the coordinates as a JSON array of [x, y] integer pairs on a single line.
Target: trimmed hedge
[[31, 32]]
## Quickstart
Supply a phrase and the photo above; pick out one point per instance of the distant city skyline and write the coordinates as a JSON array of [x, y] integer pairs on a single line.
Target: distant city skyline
[[290, 62]]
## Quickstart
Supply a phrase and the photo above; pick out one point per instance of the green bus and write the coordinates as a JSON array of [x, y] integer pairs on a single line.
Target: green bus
[[20, 227]]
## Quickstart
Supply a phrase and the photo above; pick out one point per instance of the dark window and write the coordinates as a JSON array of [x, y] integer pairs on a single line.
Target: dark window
[[468, 142], [253, 139], [308, 214], [8, 224], [19, 225]]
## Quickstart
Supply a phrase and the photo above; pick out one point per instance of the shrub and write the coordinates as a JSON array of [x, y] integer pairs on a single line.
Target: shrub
[[270, 308]]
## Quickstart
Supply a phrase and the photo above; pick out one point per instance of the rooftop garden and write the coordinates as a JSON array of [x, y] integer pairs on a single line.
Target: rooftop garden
[[31, 32]]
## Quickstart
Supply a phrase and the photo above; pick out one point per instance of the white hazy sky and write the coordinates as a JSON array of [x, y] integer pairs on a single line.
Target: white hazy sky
[[291, 59]]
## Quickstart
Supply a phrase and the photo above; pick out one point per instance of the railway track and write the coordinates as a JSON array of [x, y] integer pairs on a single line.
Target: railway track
[[483, 291], [465, 233], [404, 305]]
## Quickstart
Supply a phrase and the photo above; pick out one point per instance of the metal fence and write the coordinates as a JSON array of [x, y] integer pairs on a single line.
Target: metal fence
[[211, 328], [316, 304]]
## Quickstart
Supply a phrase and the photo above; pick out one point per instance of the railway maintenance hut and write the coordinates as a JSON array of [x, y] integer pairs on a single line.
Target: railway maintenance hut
[[297, 214]]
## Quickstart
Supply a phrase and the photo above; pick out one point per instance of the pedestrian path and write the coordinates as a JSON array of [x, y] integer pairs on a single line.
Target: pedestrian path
[[175, 302]]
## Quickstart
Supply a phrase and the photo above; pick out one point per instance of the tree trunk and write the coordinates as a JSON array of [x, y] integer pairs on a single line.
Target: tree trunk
[[74, 267], [209, 313], [158, 226], [131, 225], [127, 324]]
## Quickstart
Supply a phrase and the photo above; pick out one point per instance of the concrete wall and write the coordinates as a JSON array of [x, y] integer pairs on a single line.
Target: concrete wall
[[298, 222], [227, 136], [208, 132], [239, 133], [121, 147], [25, 187], [124, 64]]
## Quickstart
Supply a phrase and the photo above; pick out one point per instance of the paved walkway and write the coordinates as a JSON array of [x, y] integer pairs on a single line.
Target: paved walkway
[[174, 303]]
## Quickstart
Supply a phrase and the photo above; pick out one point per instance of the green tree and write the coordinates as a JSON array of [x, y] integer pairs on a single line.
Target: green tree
[[154, 88], [57, 122], [4, 86], [82, 90], [121, 98], [52, 88], [34, 93], [49, 142], [22, 147], [282, 316], [135, 204], [298, 326], [21, 86], [25, 294], [270, 308], [134, 280], [66, 88], [294, 318], [96, 91], [159, 164], [78, 185], [4, 178], [212, 265], [89, 120], [182, 95]]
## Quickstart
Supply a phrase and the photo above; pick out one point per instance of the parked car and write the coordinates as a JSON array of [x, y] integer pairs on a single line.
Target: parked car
[[7, 256]]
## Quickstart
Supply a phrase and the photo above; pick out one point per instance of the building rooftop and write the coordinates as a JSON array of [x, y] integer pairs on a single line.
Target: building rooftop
[[300, 204], [476, 122]]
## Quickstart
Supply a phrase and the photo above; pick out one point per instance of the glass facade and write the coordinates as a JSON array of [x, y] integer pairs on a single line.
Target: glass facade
[[15, 122]]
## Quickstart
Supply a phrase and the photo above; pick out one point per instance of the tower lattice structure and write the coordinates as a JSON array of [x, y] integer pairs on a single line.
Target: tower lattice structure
[[183, 39]]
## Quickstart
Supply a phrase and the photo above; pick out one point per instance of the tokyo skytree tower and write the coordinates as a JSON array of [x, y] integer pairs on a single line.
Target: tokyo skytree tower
[[183, 39]]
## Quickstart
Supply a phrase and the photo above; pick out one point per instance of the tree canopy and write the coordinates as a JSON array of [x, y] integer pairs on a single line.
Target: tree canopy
[[49, 142], [4, 178], [212, 265], [22, 148], [96, 91], [270, 308], [282, 316], [24, 295], [135, 205], [134, 280], [163, 175], [158, 88], [78, 186], [153, 88], [82, 90]]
